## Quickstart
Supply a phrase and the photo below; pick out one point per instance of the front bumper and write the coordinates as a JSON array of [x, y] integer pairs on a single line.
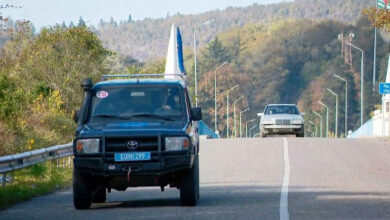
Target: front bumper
[[158, 165], [283, 129]]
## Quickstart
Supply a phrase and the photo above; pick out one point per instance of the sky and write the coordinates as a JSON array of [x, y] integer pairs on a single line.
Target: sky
[[49, 12]]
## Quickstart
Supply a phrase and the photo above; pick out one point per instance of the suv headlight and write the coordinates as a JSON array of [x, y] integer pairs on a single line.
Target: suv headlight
[[88, 146], [267, 121], [176, 143], [297, 121]]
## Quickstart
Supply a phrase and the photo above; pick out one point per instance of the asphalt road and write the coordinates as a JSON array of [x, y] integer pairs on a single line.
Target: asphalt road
[[272, 178]]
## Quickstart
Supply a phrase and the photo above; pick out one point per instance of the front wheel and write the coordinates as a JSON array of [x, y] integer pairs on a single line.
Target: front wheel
[[99, 195], [189, 185], [81, 191]]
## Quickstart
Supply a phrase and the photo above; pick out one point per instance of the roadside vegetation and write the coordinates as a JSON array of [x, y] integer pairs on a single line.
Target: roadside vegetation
[[39, 80], [36, 180]]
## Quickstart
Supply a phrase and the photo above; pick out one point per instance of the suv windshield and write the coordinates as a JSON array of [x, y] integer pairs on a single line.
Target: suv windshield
[[281, 109], [133, 103]]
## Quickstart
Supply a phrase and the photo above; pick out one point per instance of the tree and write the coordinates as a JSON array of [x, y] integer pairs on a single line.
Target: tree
[[214, 54], [81, 22], [379, 18]]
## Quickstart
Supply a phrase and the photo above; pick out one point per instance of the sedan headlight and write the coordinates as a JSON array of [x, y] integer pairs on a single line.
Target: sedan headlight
[[267, 121], [297, 121], [88, 146], [176, 143]]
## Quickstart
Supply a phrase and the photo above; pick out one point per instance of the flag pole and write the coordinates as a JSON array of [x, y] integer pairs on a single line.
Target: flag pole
[[374, 67]]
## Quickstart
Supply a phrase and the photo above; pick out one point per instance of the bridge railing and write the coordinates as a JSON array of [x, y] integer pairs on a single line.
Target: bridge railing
[[18, 161]]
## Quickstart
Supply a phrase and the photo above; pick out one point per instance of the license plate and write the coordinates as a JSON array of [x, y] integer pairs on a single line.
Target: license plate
[[133, 156]]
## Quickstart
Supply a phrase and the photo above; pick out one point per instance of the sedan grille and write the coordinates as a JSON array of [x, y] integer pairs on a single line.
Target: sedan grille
[[282, 122]]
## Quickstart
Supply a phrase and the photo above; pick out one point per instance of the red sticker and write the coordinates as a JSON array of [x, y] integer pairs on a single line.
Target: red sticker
[[102, 94]]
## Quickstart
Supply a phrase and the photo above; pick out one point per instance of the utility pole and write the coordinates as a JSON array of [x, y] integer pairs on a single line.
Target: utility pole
[[361, 83], [247, 109], [195, 71], [346, 104], [320, 116], [227, 109], [327, 117], [246, 126], [215, 97], [316, 132], [234, 113], [336, 110]]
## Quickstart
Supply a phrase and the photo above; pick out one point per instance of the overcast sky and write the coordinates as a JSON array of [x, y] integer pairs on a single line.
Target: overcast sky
[[49, 12]]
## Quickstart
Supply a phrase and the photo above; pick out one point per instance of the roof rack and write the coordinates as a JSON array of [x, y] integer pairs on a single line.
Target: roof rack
[[138, 76]]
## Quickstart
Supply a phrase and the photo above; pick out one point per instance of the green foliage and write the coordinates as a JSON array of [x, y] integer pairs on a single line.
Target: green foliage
[[11, 100], [40, 77]]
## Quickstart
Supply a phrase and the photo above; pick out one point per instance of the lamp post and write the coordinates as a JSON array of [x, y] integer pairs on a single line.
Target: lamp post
[[250, 130], [234, 113], [246, 126], [245, 110], [346, 104], [336, 110], [195, 73], [361, 82], [314, 126], [327, 117], [215, 96], [312, 133], [320, 122], [227, 109]]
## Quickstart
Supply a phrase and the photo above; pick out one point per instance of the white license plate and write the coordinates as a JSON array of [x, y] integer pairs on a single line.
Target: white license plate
[[133, 156]]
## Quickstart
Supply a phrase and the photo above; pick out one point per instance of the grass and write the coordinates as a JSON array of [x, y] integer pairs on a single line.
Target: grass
[[34, 181]]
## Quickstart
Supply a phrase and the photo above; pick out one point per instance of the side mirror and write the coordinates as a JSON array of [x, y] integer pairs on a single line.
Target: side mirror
[[260, 114], [76, 115], [303, 114], [196, 114]]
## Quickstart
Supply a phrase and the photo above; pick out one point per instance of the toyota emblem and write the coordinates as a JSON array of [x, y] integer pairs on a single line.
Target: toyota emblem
[[132, 145]]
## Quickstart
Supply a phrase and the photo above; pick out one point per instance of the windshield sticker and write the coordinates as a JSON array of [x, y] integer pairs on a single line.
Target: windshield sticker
[[102, 94]]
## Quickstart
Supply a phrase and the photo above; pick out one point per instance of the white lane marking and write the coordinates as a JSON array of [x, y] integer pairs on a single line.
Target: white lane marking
[[283, 208]]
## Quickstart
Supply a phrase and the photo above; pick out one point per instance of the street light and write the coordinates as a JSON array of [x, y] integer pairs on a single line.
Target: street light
[[246, 126], [327, 117], [215, 94], [336, 109], [346, 104], [195, 73], [240, 120], [234, 113], [312, 133], [361, 82], [227, 109], [250, 130], [320, 122], [315, 125]]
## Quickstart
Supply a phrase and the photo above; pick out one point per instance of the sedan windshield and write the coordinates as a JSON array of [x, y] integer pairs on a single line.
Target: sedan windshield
[[281, 109], [137, 103]]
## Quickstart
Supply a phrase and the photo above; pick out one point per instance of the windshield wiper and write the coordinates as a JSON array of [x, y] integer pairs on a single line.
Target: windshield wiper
[[152, 116], [111, 116]]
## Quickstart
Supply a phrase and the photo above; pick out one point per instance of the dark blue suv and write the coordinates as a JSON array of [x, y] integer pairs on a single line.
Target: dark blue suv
[[135, 132]]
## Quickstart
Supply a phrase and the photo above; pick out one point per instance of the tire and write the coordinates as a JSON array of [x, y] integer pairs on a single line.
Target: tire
[[99, 195], [263, 135], [81, 191], [189, 185]]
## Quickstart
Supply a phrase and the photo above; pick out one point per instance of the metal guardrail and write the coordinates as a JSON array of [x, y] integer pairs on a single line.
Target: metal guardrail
[[17, 161]]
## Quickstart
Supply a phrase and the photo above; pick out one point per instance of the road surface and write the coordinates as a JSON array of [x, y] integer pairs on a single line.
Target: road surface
[[260, 178]]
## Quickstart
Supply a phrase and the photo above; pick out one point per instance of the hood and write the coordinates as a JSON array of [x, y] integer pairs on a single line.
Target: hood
[[283, 116], [134, 126]]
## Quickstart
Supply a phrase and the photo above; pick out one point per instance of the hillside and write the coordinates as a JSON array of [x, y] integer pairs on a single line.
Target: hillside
[[147, 39]]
